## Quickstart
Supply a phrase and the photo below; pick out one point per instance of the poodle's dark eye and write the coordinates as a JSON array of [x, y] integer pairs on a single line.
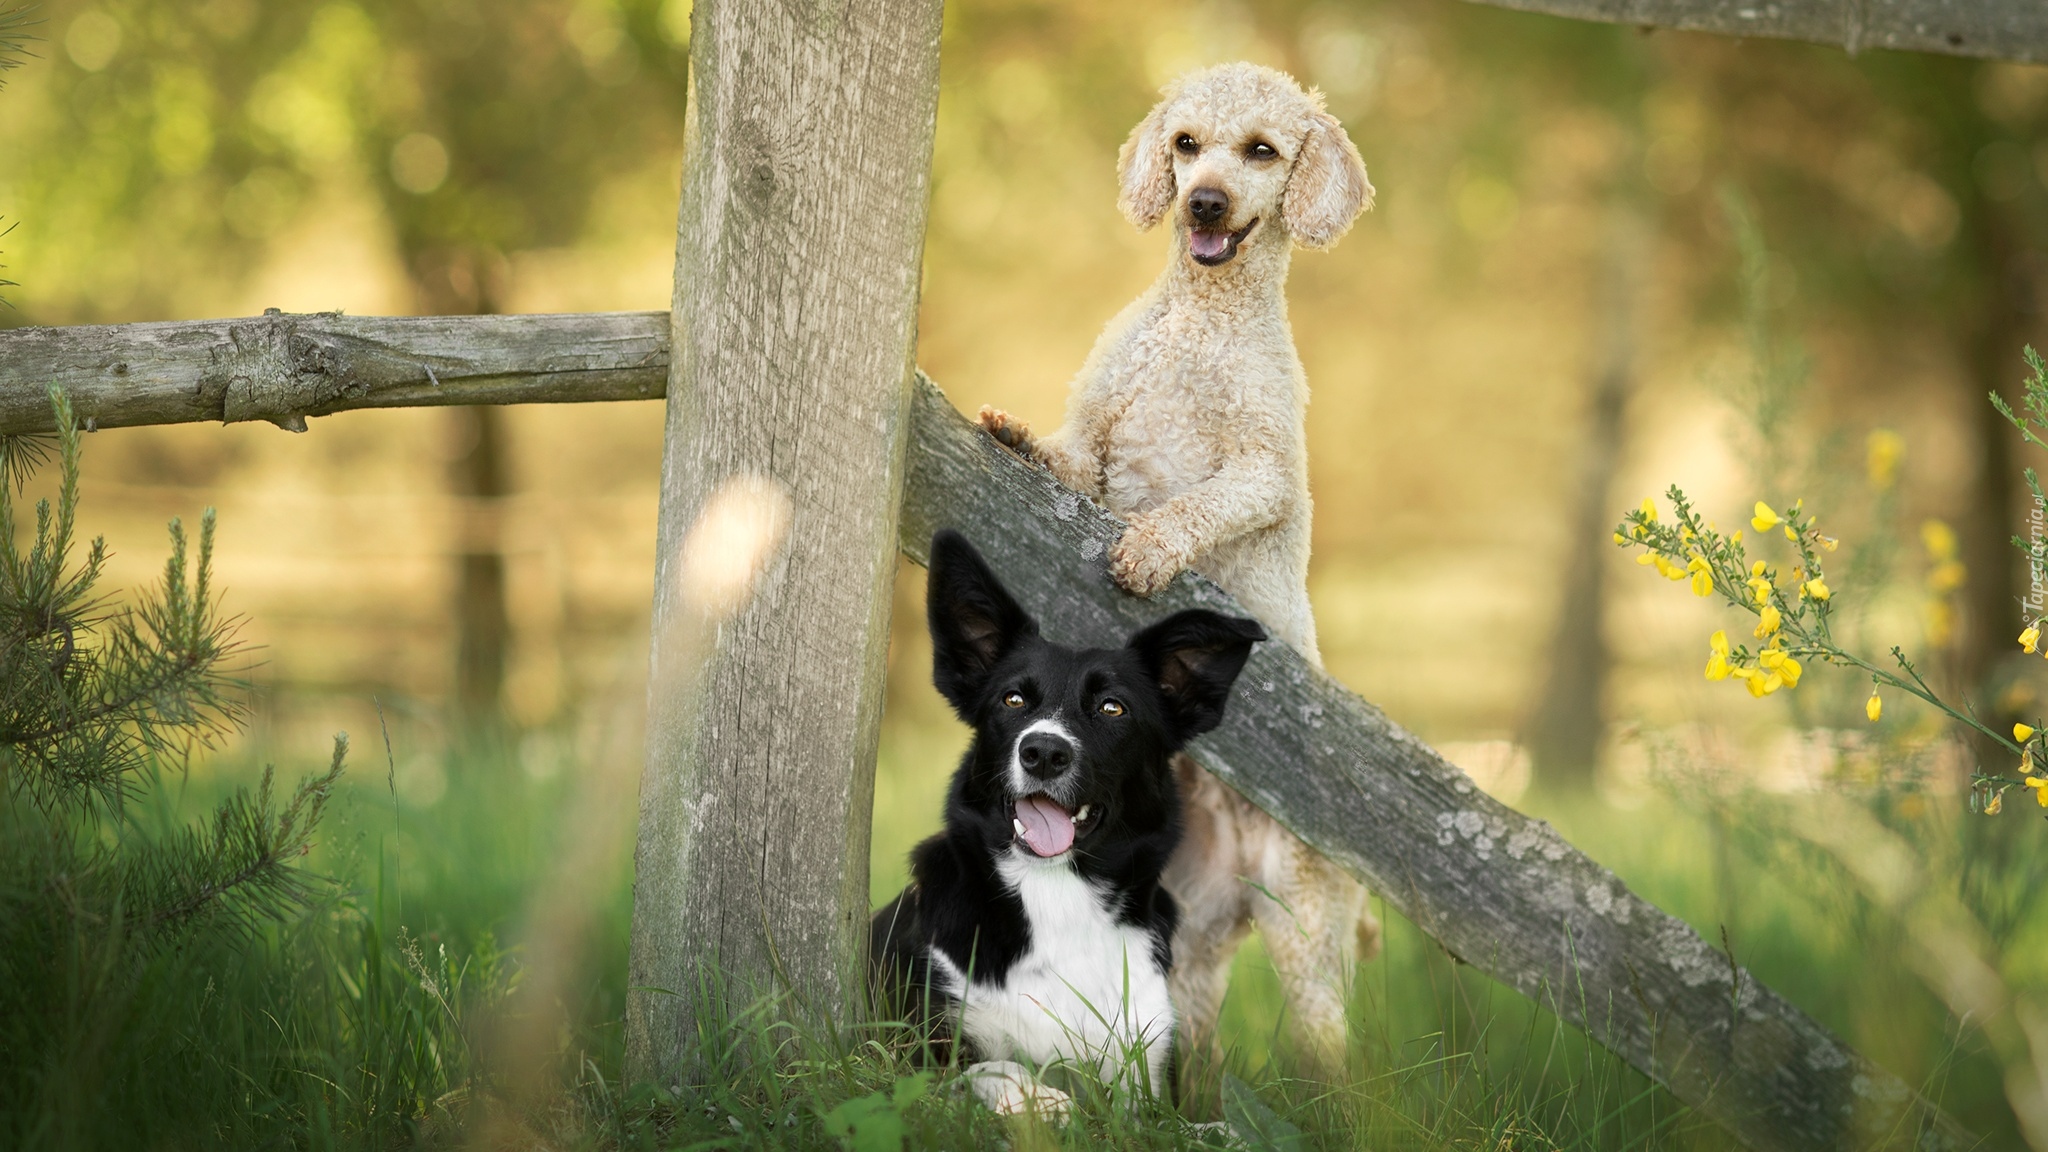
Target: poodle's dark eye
[[1013, 699], [1186, 144], [1111, 708], [1260, 150]]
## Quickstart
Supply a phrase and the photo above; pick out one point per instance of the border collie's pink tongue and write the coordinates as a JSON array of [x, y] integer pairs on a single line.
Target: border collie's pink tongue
[[1048, 828], [1208, 245]]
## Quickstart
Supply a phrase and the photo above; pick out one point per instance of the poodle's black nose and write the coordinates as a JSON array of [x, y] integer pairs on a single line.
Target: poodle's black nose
[[1208, 205], [1045, 755]]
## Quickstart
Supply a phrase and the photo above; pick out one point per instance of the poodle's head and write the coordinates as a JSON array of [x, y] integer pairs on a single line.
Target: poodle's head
[[1240, 156]]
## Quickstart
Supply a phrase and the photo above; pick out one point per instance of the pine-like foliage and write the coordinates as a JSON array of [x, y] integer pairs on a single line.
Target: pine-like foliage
[[91, 697], [105, 893], [14, 39], [95, 701]]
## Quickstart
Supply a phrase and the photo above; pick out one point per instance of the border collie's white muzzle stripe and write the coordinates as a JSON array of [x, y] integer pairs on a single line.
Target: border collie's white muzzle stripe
[[1021, 783]]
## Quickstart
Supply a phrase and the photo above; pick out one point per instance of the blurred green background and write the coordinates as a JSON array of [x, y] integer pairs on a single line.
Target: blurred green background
[[1602, 261]]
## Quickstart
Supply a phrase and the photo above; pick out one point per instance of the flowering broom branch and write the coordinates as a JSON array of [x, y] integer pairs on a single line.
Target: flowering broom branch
[[1793, 620]]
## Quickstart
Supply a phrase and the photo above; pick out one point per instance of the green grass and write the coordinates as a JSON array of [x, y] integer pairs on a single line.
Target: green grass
[[405, 1010]]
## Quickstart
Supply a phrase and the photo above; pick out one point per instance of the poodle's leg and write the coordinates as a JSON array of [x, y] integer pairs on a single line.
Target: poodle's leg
[[1313, 918], [1251, 490], [1009, 431], [1056, 451], [1215, 912]]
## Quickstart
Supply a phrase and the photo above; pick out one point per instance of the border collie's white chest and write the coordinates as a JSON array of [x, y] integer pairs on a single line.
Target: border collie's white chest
[[1089, 990]]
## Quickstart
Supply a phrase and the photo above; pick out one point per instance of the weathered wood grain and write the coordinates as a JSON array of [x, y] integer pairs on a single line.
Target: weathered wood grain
[[1998, 29], [1501, 891], [798, 250], [286, 367]]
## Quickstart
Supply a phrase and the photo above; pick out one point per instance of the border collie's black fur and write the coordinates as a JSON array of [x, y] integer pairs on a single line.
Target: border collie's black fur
[[1034, 928]]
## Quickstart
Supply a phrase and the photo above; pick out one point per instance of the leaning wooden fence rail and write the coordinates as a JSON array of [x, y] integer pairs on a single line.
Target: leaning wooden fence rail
[[1995, 29], [1502, 892]]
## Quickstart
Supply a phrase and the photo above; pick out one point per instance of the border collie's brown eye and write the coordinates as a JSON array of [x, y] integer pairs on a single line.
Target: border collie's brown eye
[[1261, 150], [1186, 143], [1013, 699], [1112, 708]]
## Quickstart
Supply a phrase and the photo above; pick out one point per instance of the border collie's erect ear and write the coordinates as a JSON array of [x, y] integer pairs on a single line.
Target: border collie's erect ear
[[973, 621], [1195, 656]]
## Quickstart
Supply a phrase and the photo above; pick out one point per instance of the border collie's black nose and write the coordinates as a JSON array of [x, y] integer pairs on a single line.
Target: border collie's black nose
[[1207, 205], [1045, 755]]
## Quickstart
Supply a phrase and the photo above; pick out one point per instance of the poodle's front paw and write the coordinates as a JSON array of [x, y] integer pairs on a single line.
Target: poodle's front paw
[[1008, 430], [1142, 562]]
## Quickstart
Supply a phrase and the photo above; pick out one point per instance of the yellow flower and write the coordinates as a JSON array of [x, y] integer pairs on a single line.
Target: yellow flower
[[1939, 539], [1702, 576], [1669, 570], [1756, 569], [2030, 639], [1946, 577], [1768, 620], [1828, 542], [1647, 559], [1790, 534], [1882, 451], [1816, 589], [1873, 707], [2040, 786], [2022, 732], [2027, 761], [1791, 671], [1620, 539], [1737, 538], [1995, 805], [1718, 667], [1649, 510], [1765, 519]]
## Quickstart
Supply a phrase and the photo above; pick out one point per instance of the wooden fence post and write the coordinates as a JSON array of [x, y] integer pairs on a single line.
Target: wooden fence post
[[798, 248]]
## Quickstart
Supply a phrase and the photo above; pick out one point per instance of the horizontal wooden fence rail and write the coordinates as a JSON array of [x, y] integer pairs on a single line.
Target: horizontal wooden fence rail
[[1502, 892], [284, 367], [1998, 29]]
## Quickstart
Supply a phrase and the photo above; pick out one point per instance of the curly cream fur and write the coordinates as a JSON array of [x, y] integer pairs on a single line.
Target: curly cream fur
[[1187, 422]]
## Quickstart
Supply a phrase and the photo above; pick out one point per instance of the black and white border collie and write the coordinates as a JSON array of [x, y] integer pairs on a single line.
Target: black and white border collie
[[1035, 930]]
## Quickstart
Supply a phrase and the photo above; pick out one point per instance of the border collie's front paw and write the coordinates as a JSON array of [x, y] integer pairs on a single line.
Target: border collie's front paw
[[1008, 1088], [1009, 431], [1142, 562]]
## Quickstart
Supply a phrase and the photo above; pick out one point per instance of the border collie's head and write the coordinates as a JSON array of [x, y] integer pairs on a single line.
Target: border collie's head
[[1071, 745]]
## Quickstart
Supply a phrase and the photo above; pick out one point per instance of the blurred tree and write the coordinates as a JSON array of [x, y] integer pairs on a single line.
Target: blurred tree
[[1568, 727], [174, 140], [1904, 192]]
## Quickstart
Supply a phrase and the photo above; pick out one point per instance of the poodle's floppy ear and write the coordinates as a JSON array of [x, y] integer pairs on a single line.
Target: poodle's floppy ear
[[1327, 188], [1194, 657], [1144, 170], [973, 620]]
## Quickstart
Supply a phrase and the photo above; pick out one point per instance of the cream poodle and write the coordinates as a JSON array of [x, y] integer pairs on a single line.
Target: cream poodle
[[1187, 422]]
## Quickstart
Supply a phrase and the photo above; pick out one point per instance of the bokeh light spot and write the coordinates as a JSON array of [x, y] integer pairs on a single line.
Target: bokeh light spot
[[93, 40], [419, 163]]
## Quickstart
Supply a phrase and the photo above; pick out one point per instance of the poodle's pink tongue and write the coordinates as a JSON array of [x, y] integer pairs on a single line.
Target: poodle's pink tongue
[[1048, 828], [1208, 244]]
